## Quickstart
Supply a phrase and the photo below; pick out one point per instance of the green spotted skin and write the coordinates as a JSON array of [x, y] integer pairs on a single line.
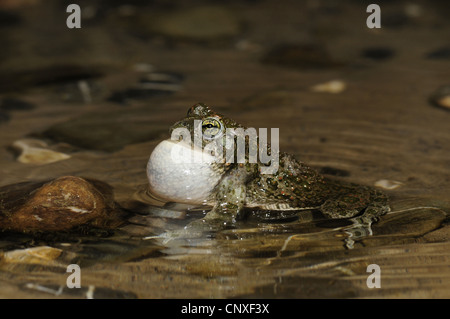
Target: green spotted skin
[[295, 186]]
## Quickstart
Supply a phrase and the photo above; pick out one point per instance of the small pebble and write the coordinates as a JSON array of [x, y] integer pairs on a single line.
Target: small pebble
[[36, 255], [388, 184], [35, 151], [441, 98], [333, 87]]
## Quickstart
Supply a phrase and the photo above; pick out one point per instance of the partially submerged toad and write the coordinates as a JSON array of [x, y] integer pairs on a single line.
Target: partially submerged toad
[[219, 180]]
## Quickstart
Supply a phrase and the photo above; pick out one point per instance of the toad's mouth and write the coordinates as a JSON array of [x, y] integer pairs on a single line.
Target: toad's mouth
[[178, 173]]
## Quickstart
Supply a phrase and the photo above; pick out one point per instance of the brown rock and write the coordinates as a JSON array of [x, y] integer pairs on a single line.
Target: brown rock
[[59, 205]]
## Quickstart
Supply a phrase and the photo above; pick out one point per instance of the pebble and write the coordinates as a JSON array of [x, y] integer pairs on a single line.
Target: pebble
[[441, 97], [59, 205], [37, 255], [334, 87], [35, 151], [388, 184]]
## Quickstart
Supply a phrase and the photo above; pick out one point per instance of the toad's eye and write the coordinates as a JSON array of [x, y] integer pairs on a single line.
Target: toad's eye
[[211, 128]]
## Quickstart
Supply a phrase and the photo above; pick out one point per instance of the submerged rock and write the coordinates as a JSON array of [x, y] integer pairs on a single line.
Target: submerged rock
[[109, 131], [441, 98], [33, 151], [59, 205], [36, 255], [387, 184], [334, 87]]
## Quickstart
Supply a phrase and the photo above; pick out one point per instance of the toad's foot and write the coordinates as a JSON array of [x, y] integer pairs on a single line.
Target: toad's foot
[[363, 206], [361, 226]]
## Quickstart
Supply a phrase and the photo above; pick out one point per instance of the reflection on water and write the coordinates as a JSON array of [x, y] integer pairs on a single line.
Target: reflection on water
[[259, 257]]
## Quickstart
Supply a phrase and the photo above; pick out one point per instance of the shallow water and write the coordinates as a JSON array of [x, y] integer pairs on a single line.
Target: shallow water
[[382, 126]]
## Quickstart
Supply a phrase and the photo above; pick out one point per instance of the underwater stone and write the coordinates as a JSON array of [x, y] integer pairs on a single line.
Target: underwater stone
[[59, 205], [441, 97], [34, 151], [36, 255], [388, 184], [334, 87], [109, 131]]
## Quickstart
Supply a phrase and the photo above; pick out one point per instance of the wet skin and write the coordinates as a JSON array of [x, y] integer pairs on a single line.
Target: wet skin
[[294, 185]]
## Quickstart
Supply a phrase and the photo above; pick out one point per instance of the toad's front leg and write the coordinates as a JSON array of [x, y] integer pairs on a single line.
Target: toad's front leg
[[229, 198]]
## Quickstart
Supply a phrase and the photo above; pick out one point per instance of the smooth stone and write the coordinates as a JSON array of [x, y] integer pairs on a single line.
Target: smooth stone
[[411, 222], [441, 97], [388, 184], [108, 131], [36, 255], [35, 151], [302, 56], [59, 205], [200, 24], [334, 87]]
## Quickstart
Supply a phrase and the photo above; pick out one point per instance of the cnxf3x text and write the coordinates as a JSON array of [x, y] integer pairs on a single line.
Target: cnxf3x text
[[247, 308]]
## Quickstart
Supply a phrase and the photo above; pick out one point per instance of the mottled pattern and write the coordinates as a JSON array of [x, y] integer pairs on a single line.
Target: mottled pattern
[[294, 186]]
